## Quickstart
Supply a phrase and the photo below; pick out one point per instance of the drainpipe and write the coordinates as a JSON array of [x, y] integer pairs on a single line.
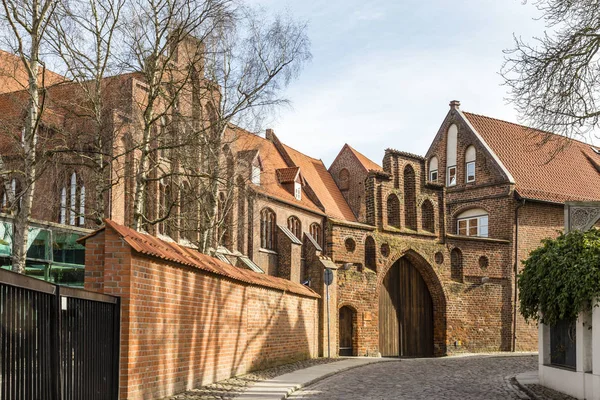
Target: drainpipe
[[516, 272]]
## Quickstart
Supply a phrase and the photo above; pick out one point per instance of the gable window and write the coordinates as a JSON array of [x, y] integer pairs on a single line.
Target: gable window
[[451, 181], [295, 226], [315, 232], [470, 156], [473, 223], [255, 176], [268, 223], [298, 190], [433, 169]]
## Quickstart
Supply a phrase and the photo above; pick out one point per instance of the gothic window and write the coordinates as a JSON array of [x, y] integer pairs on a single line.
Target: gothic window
[[433, 169], [410, 198], [393, 211], [470, 156], [473, 222], [451, 143], [370, 253], [315, 232], [268, 224], [255, 175], [295, 226], [72, 202], [224, 216], [427, 216], [344, 179], [456, 265]]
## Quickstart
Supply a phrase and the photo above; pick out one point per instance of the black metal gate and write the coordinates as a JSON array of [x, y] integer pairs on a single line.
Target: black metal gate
[[562, 344], [56, 342]]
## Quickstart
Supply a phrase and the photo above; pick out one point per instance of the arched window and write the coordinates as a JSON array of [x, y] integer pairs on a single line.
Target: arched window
[[73, 203], [295, 226], [427, 216], [393, 211], [315, 232], [473, 222], [470, 156], [344, 178], [410, 198], [370, 253], [256, 170], [225, 223], [451, 155], [187, 218], [456, 265], [268, 224], [433, 169]]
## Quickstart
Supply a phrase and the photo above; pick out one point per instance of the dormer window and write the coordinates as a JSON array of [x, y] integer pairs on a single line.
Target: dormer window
[[256, 174], [298, 190]]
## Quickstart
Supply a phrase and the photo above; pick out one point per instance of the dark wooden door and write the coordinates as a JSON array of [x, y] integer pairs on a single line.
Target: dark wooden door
[[389, 328], [345, 325], [405, 313]]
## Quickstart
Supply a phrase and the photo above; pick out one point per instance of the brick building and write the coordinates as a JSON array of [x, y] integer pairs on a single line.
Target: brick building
[[424, 250]]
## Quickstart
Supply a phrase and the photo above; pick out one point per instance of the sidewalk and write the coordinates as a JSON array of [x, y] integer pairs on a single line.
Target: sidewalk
[[282, 386]]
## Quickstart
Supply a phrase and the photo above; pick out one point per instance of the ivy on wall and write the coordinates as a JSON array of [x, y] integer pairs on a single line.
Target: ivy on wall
[[561, 278]]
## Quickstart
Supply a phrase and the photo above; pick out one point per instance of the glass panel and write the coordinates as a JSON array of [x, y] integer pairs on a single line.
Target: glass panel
[[462, 227], [433, 176], [471, 172], [562, 344], [483, 226], [67, 274], [67, 250], [38, 244], [451, 176], [473, 227]]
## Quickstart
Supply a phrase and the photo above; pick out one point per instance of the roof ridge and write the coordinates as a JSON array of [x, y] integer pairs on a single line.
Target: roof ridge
[[304, 154], [530, 128]]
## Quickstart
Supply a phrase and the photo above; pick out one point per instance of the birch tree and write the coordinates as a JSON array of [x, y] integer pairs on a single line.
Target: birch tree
[[26, 23], [554, 80]]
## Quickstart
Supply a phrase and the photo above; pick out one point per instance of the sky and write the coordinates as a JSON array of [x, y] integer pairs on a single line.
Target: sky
[[384, 71]]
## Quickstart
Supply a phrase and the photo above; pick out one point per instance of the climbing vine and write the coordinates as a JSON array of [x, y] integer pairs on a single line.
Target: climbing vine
[[561, 278]]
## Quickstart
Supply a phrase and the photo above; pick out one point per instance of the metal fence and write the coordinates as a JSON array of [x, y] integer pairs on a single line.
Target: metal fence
[[56, 342]]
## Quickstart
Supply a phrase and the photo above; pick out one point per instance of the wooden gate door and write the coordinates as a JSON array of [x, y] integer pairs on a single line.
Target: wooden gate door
[[389, 328], [405, 313], [345, 325]]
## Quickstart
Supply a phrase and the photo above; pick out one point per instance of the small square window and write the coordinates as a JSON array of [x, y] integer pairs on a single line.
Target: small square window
[[452, 176], [471, 171], [433, 175]]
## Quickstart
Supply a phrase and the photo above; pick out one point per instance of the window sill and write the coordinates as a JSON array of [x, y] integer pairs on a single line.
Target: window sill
[[477, 238], [267, 251]]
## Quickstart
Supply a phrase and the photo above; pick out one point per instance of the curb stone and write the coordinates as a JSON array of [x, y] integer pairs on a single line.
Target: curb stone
[[320, 378]]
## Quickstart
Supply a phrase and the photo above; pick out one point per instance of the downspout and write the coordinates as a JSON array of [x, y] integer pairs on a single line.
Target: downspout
[[516, 272]]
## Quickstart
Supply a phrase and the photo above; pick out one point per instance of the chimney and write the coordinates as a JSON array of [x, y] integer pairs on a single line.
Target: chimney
[[269, 134], [455, 105]]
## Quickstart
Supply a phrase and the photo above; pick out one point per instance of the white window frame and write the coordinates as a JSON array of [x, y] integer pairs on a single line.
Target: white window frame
[[255, 174], [431, 174], [467, 165], [449, 182], [479, 222], [298, 191]]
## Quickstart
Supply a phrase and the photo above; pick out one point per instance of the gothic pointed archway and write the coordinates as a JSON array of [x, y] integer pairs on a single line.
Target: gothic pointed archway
[[412, 310]]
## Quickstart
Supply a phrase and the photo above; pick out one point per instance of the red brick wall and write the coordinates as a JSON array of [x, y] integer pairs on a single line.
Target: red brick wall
[[183, 327], [355, 194]]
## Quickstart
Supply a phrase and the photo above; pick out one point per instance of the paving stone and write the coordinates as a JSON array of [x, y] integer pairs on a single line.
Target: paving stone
[[465, 378]]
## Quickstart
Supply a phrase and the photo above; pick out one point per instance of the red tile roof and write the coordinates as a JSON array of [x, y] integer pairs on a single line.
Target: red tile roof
[[287, 175], [242, 140], [322, 184], [545, 166], [364, 161], [152, 246]]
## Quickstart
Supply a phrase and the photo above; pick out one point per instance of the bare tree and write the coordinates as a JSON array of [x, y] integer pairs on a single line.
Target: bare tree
[[555, 81], [27, 22], [251, 63], [83, 36]]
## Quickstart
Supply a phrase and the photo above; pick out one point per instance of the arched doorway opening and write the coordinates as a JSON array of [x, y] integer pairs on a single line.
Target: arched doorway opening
[[346, 324], [406, 320]]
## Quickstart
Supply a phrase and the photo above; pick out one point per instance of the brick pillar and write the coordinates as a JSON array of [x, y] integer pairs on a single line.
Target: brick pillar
[[289, 257], [316, 264]]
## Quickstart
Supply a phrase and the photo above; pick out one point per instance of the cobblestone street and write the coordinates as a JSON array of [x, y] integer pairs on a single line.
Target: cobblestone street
[[474, 377]]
